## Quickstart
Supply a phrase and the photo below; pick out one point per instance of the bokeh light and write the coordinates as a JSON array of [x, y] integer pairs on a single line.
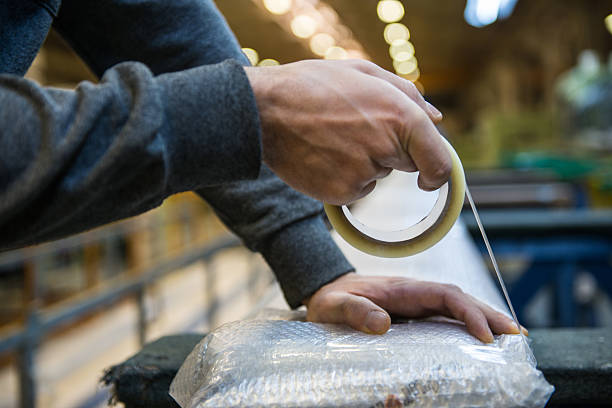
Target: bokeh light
[[252, 55], [412, 76], [303, 26], [396, 31], [336, 53], [405, 67], [277, 6], [321, 42], [401, 50], [608, 22], [268, 62], [390, 11]]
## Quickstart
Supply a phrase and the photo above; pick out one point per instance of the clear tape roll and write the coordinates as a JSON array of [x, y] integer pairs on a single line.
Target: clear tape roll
[[417, 238]]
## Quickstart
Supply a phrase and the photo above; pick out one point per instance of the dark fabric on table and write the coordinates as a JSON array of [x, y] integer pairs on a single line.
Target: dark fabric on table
[[143, 380]]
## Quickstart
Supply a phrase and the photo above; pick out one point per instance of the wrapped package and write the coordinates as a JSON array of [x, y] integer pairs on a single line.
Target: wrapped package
[[277, 360], [280, 363]]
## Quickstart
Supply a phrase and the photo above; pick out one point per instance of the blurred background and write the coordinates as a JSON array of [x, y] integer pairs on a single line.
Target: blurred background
[[526, 92]]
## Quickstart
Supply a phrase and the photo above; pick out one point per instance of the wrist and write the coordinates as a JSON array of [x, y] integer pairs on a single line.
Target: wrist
[[265, 83], [340, 278]]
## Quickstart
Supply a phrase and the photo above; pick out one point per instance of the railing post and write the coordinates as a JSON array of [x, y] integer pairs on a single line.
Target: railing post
[[211, 295], [26, 353], [142, 316], [26, 362]]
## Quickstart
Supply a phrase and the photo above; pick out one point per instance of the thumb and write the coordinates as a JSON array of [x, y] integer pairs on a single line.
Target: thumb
[[362, 314]]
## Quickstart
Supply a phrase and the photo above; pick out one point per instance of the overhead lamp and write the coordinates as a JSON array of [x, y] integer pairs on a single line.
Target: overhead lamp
[[412, 76], [277, 6], [480, 13], [401, 50], [336, 52], [252, 55], [396, 31], [320, 43], [268, 62], [303, 26], [405, 67], [390, 11]]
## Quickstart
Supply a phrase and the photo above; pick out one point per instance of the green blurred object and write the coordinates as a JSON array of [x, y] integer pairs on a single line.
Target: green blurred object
[[595, 173], [566, 168], [585, 102]]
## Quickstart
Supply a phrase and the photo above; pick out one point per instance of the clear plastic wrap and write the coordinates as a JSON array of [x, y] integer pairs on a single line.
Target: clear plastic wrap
[[279, 363], [275, 361]]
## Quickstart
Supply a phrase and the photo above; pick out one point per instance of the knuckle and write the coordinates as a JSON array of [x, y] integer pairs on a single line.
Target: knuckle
[[420, 118], [411, 88], [453, 288], [363, 65], [442, 172]]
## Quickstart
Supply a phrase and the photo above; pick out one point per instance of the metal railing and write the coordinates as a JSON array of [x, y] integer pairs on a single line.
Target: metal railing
[[25, 339]]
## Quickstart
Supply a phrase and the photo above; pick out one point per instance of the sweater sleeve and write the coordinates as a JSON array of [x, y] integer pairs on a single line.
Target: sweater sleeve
[[73, 160], [270, 217]]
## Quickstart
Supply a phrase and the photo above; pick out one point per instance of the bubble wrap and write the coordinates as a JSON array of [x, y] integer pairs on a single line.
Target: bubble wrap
[[274, 361]]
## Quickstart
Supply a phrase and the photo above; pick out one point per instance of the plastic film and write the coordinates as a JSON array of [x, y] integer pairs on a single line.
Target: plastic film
[[276, 363]]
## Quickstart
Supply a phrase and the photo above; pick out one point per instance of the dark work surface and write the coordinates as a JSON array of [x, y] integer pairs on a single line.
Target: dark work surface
[[144, 379], [578, 362]]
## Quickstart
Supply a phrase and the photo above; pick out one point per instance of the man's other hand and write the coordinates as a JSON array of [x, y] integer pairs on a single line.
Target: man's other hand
[[332, 128], [364, 303]]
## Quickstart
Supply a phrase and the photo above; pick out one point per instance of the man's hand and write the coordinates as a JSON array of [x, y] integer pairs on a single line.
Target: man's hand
[[331, 128], [363, 302]]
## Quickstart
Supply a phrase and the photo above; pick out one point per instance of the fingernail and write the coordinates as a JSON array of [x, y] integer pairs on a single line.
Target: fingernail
[[376, 322], [512, 329], [434, 111], [525, 331]]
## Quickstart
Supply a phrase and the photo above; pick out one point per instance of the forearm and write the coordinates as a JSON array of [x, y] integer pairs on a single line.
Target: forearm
[[286, 227], [73, 160], [267, 214]]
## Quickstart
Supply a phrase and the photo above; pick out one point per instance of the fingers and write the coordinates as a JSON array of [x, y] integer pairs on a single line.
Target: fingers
[[362, 302], [423, 142], [479, 318], [499, 322], [366, 190], [357, 311], [403, 85], [462, 309], [421, 139]]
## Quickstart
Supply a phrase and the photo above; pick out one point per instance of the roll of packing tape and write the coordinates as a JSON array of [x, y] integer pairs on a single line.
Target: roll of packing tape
[[415, 239]]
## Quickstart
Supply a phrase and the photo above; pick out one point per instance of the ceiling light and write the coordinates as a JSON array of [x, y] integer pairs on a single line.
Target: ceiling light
[[396, 31], [401, 50], [303, 26], [277, 6], [390, 11], [268, 62], [405, 67], [336, 53], [320, 43], [252, 55]]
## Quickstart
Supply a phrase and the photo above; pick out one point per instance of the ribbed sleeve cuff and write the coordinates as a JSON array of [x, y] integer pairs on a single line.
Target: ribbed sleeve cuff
[[213, 128], [304, 257]]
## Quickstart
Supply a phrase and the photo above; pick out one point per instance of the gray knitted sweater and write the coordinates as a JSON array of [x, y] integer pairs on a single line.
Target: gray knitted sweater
[[173, 112]]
